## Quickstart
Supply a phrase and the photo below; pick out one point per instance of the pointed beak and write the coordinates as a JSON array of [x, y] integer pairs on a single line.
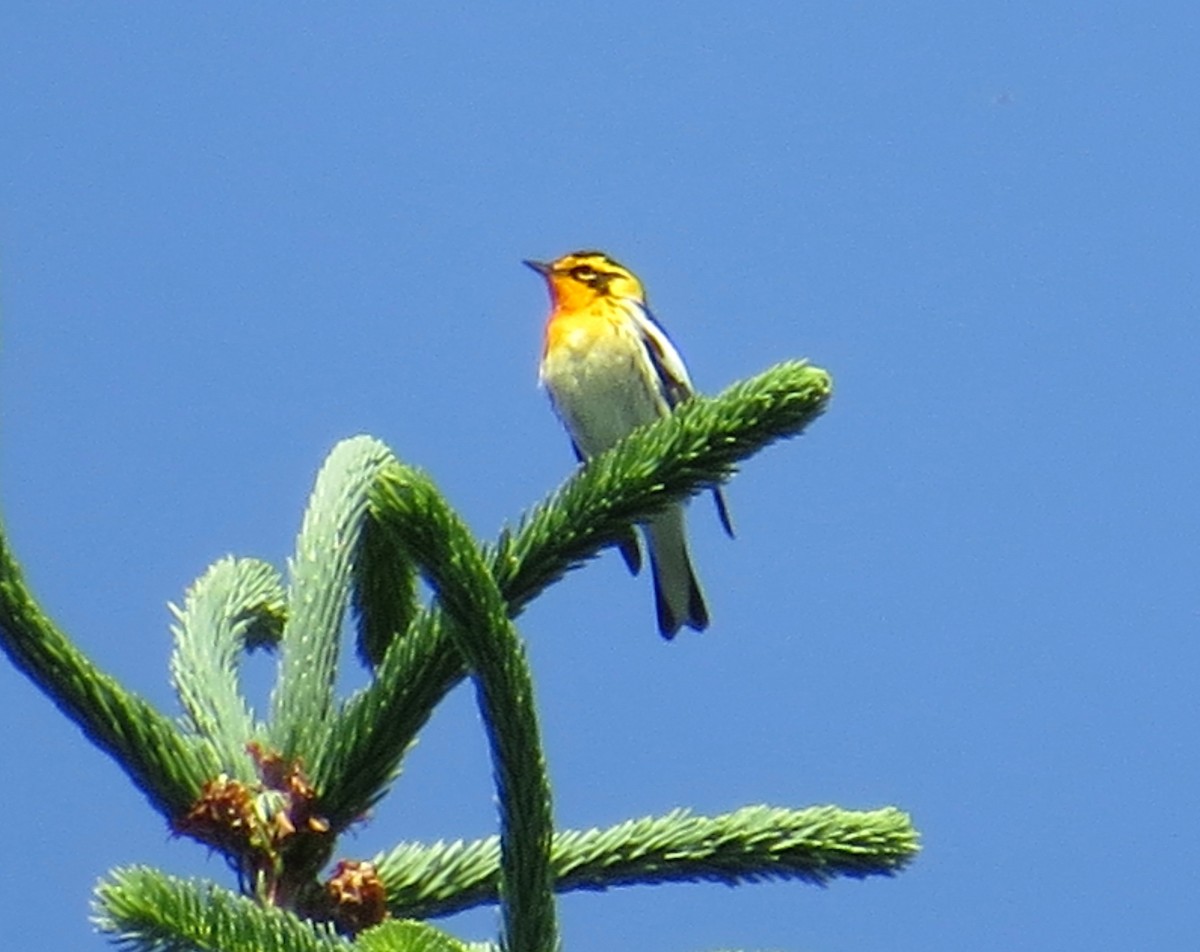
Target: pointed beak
[[539, 266]]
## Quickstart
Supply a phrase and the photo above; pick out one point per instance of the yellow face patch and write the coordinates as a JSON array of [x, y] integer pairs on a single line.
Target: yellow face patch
[[578, 279]]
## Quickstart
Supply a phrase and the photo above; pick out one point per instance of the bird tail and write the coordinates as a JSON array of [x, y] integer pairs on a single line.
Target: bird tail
[[677, 594]]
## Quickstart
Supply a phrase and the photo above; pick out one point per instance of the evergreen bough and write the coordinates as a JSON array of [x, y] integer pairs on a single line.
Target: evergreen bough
[[273, 796]]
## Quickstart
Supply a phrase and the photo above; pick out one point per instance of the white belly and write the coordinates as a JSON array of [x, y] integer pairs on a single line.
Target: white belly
[[603, 391]]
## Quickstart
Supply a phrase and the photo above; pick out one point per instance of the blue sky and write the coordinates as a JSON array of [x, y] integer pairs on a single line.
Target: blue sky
[[229, 239]]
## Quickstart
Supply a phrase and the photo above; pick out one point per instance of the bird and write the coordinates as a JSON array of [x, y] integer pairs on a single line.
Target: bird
[[609, 367]]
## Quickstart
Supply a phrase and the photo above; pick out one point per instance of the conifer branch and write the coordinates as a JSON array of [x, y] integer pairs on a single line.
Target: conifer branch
[[407, 504], [407, 936], [237, 605], [167, 767], [698, 445], [385, 592], [815, 845], [145, 910], [380, 722], [303, 699]]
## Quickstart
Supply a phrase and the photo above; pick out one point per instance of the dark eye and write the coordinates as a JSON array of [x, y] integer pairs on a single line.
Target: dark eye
[[584, 273]]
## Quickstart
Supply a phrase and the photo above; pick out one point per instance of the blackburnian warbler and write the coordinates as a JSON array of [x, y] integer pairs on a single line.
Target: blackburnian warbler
[[610, 368]]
